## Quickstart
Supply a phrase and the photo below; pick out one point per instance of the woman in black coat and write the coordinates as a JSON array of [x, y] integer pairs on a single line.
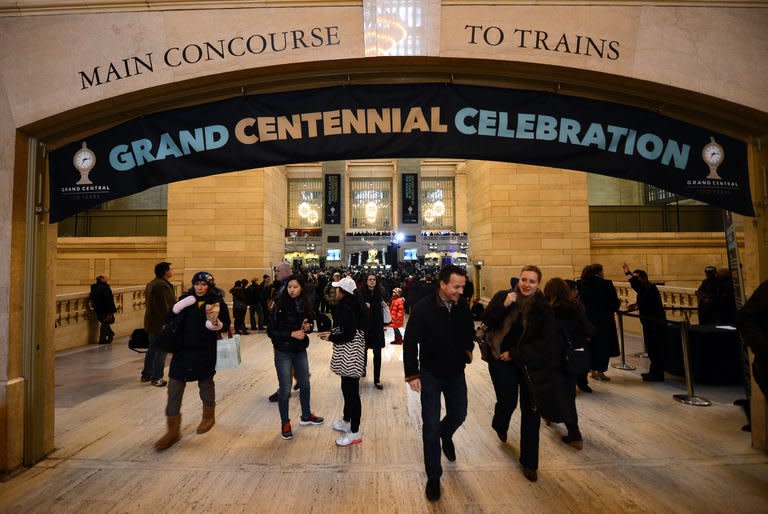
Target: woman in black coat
[[525, 352], [291, 320], [573, 330], [203, 314], [374, 330], [601, 302]]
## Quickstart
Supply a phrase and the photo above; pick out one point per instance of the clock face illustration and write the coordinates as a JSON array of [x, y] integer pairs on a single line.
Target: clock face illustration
[[713, 156], [84, 159]]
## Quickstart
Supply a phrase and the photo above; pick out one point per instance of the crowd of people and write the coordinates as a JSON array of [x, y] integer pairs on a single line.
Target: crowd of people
[[542, 341]]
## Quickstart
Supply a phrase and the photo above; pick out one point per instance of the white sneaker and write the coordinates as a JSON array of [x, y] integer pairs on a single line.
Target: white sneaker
[[349, 439], [341, 425]]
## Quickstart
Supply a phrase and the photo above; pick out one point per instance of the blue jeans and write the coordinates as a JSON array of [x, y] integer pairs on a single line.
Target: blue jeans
[[256, 310], [284, 361], [154, 360], [454, 390]]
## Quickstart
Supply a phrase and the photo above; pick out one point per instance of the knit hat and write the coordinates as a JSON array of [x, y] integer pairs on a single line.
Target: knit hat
[[347, 284], [282, 271], [397, 291], [203, 276]]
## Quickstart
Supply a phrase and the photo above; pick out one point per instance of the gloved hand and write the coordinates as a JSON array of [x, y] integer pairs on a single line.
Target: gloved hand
[[183, 304], [218, 325]]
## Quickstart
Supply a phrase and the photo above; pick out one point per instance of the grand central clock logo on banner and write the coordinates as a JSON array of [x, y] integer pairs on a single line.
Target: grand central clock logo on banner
[[84, 161], [717, 179]]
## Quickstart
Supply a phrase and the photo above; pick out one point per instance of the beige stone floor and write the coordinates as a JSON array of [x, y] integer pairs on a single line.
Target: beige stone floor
[[643, 451]]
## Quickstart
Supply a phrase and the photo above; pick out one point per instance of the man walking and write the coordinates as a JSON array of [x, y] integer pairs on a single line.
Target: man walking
[[652, 318], [160, 298], [104, 306], [438, 344]]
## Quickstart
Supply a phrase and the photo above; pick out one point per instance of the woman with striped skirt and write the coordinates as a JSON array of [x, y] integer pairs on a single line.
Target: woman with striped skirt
[[348, 358]]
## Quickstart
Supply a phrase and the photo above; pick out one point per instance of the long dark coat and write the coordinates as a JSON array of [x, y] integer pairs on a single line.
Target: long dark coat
[[601, 301], [572, 319], [374, 329], [530, 345], [102, 299], [197, 358]]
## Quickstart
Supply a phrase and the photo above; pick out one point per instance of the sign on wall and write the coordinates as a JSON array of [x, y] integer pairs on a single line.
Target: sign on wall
[[332, 198], [410, 203], [401, 121]]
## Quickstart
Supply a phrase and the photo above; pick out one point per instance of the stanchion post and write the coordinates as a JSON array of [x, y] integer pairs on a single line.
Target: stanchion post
[[623, 365], [690, 398]]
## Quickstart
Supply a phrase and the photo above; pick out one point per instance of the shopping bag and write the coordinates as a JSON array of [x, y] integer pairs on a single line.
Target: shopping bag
[[385, 314], [228, 353]]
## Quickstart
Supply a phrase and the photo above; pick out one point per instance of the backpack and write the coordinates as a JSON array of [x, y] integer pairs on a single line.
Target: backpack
[[171, 337]]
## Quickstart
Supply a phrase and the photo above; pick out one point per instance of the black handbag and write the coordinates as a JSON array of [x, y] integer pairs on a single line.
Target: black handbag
[[171, 337], [481, 338], [139, 341], [324, 323], [578, 359]]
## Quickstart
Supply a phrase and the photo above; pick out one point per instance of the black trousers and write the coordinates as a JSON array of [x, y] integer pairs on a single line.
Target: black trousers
[[353, 407], [105, 332], [376, 365], [654, 336], [509, 382]]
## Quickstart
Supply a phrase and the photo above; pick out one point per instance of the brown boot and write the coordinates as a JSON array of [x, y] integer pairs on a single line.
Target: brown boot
[[209, 419], [172, 435]]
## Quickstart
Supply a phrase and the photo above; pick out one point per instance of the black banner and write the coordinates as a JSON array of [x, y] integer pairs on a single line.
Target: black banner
[[408, 121], [410, 203], [332, 199]]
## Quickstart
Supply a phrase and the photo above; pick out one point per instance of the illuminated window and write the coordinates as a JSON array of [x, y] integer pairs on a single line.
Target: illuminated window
[[305, 203], [370, 201], [437, 204]]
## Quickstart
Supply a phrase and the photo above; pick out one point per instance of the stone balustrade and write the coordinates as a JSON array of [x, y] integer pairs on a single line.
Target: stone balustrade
[[76, 324], [679, 302]]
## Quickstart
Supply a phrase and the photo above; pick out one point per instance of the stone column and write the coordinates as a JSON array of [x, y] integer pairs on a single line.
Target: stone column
[[755, 266], [521, 214], [231, 225]]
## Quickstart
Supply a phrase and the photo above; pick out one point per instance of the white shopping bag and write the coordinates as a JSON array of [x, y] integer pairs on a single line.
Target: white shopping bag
[[228, 353]]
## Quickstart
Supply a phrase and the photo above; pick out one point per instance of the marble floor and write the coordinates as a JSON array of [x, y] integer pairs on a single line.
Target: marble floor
[[643, 452]]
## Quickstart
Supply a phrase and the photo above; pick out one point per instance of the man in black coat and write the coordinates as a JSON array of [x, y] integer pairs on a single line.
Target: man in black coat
[[253, 298], [104, 306], [438, 344], [652, 318], [160, 297], [707, 294]]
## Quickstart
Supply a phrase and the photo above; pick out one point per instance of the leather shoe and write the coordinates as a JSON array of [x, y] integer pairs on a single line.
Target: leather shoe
[[531, 474], [647, 377], [584, 388], [433, 489], [449, 449], [502, 435]]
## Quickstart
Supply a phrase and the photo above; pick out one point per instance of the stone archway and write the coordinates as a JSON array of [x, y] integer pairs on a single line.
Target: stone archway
[[739, 122]]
